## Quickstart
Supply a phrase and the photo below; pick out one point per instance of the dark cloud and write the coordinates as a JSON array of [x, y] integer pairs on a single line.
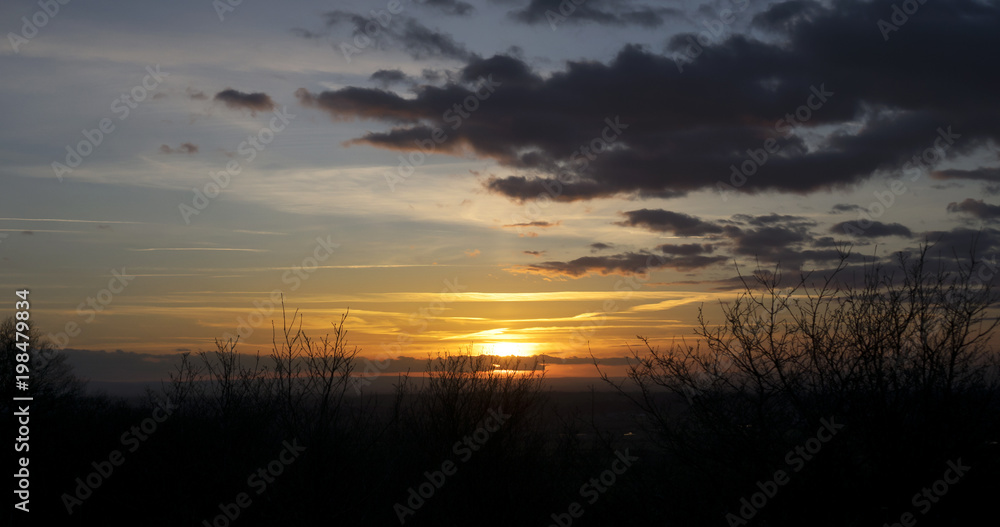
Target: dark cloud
[[539, 224], [625, 264], [403, 32], [184, 148], [598, 246], [979, 174], [386, 78], [950, 249], [432, 76], [361, 103], [783, 17], [976, 208], [828, 241], [789, 241], [505, 69], [534, 253], [765, 240], [876, 229], [770, 239], [773, 239], [658, 220], [845, 207], [604, 12], [451, 7], [673, 124], [422, 42], [237, 100], [771, 219], [689, 249]]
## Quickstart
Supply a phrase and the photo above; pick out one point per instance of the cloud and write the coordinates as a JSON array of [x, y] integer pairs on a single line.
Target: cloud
[[386, 78], [534, 253], [659, 220], [237, 100], [184, 148], [845, 207], [602, 12], [785, 240], [196, 95], [877, 229], [472, 253], [360, 103], [771, 219], [780, 239], [599, 246], [690, 249], [451, 7], [949, 248], [990, 174], [539, 224], [976, 208], [624, 264], [810, 70], [404, 32]]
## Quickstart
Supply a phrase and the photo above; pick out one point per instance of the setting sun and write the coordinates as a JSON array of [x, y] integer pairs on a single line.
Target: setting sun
[[508, 348]]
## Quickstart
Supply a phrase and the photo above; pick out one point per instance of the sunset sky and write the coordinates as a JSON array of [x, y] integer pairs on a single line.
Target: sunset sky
[[487, 172]]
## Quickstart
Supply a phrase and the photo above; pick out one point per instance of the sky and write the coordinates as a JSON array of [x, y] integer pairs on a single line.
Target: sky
[[521, 176]]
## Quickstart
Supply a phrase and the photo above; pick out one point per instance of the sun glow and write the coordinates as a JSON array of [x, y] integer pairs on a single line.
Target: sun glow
[[508, 348]]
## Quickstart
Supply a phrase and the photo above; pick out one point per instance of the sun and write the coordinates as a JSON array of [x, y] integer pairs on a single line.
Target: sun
[[507, 348]]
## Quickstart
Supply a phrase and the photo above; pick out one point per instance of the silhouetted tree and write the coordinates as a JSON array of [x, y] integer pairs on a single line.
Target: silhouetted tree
[[899, 355], [51, 378]]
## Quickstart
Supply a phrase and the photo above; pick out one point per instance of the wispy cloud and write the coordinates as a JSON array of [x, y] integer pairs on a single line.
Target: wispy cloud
[[201, 249]]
